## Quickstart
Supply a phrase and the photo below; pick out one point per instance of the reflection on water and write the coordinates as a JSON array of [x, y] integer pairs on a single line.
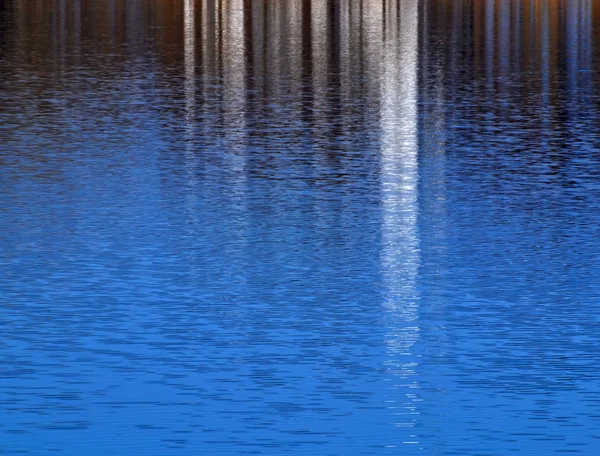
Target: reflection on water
[[303, 226], [400, 201]]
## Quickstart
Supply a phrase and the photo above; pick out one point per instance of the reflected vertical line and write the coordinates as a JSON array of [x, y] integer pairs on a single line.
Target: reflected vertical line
[[355, 32], [517, 15], [294, 43], [334, 45], [206, 40], [275, 49], [20, 43], [218, 38], [294, 67], [77, 29], [504, 44], [489, 40], [62, 31], [400, 258], [546, 110], [371, 57], [319, 46], [344, 67], [131, 25], [206, 64], [587, 38], [189, 88], [457, 37], [258, 45], [307, 65], [572, 42], [189, 49], [234, 80], [533, 34], [112, 21], [319, 57], [234, 112], [545, 54]]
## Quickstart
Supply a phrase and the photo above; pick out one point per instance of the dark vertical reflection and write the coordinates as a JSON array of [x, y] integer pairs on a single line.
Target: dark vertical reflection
[[489, 38], [6, 27]]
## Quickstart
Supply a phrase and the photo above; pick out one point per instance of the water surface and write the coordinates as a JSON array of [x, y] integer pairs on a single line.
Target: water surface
[[299, 227]]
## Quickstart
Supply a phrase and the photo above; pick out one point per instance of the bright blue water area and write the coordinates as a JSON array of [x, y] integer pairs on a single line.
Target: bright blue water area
[[299, 227]]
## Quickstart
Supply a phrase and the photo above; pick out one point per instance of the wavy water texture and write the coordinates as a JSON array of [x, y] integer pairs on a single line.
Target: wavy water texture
[[331, 227]]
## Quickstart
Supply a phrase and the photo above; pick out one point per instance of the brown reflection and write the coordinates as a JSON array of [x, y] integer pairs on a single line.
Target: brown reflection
[[326, 74], [337, 44]]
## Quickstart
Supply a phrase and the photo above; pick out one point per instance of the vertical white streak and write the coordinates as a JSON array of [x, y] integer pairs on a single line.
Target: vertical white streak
[[189, 49], [294, 37], [234, 118], [400, 257], [189, 92], [273, 48], [344, 40], [319, 58], [234, 79], [292, 55]]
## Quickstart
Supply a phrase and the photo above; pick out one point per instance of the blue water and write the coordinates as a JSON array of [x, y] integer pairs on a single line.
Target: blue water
[[299, 227]]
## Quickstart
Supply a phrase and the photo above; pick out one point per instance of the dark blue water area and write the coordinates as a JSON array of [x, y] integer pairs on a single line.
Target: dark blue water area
[[304, 227]]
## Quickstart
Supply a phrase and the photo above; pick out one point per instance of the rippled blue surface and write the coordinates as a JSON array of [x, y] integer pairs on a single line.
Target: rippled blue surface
[[299, 227]]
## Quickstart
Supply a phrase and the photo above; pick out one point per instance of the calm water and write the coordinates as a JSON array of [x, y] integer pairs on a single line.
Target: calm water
[[317, 227]]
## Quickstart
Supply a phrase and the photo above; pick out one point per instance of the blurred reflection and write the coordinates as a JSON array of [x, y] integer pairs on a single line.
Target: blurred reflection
[[232, 16], [400, 202], [234, 82], [269, 46], [189, 49], [189, 45], [228, 190]]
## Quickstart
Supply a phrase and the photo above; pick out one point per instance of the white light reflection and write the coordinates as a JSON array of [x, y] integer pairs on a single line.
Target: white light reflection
[[234, 118], [189, 89], [399, 179], [234, 80], [273, 48], [320, 44], [189, 46], [345, 73], [293, 23], [189, 92]]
